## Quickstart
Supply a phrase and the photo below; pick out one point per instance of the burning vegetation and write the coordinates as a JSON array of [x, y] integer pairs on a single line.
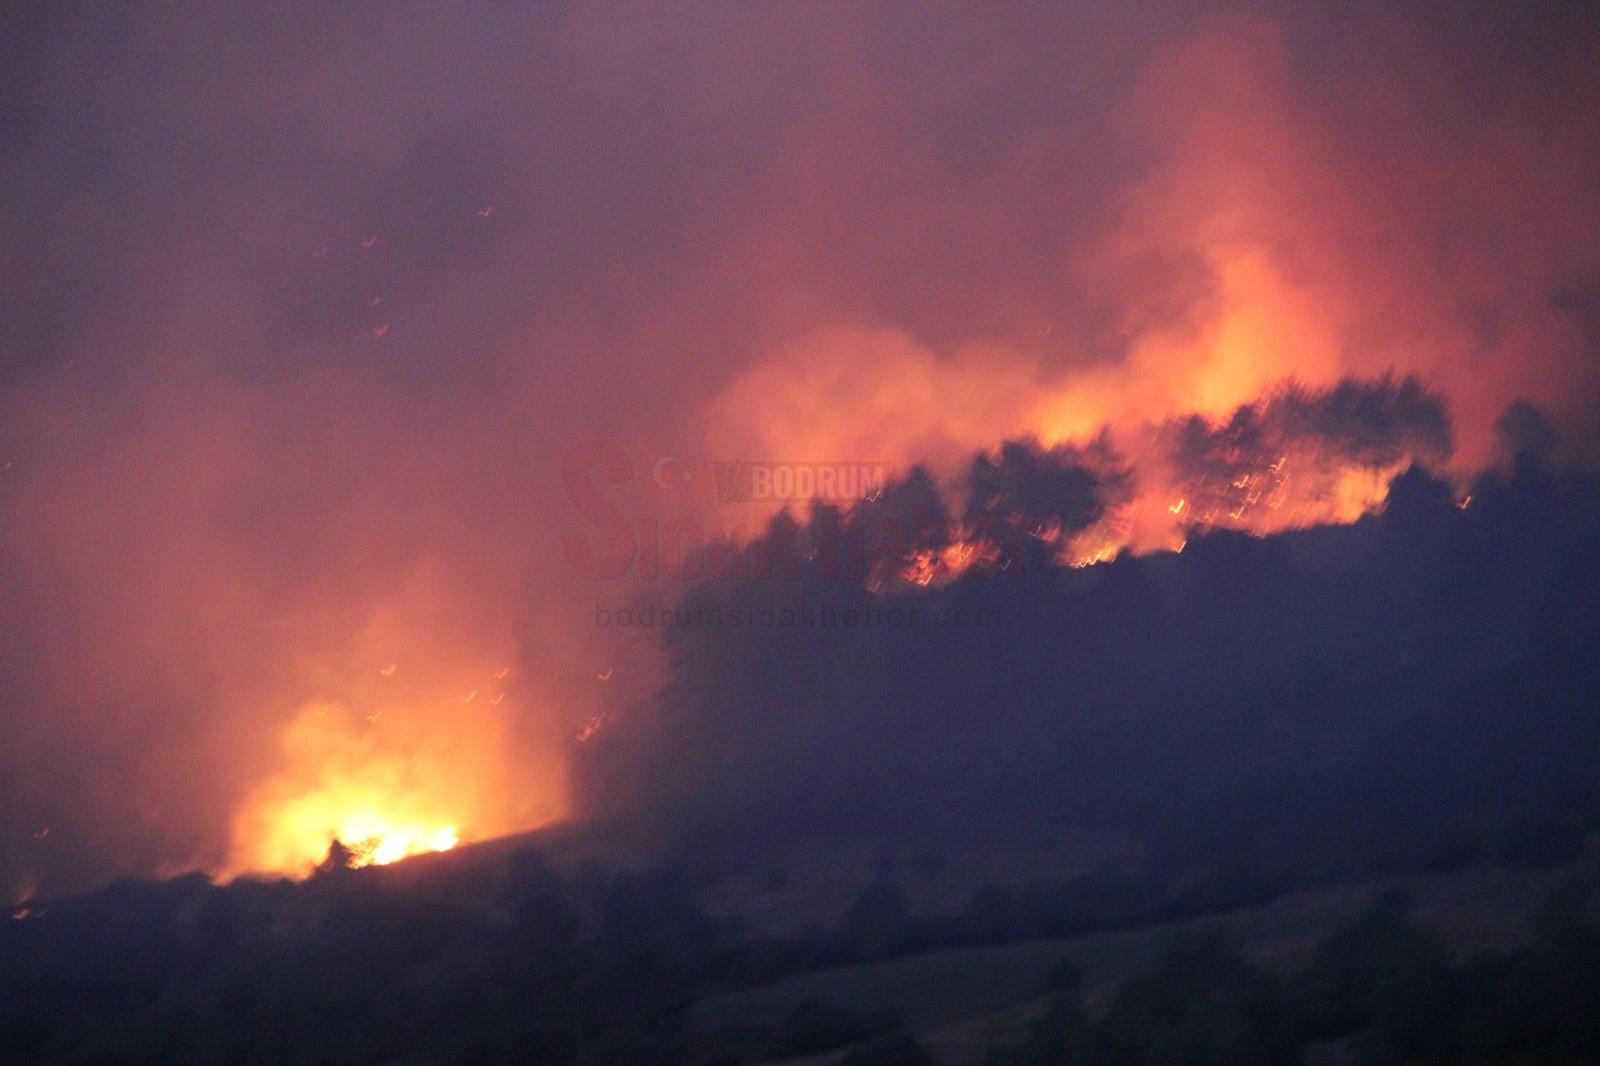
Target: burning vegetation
[[1297, 458]]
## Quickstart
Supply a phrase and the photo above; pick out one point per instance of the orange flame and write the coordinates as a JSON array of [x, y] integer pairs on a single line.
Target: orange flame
[[385, 786]]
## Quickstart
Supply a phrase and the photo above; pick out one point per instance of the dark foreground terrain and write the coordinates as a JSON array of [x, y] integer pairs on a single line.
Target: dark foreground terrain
[[502, 955]]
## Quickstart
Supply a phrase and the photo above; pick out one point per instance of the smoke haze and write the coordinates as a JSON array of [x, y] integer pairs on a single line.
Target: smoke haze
[[303, 310]]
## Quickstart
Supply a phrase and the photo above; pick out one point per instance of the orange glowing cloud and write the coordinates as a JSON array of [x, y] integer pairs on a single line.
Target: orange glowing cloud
[[1258, 250]]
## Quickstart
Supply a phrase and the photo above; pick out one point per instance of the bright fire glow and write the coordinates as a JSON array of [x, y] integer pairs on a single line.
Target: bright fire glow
[[413, 777], [374, 842], [371, 838], [938, 566], [344, 784]]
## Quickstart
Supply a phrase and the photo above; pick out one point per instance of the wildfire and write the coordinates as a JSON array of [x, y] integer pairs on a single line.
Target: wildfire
[[421, 778], [1103, 554], [364, 809], [1271, 466], [1290, 493], [372, 841], [1238, 441], [938, 566]]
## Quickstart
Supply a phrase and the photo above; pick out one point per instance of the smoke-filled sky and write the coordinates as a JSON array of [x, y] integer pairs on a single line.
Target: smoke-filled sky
[[305, 308]]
